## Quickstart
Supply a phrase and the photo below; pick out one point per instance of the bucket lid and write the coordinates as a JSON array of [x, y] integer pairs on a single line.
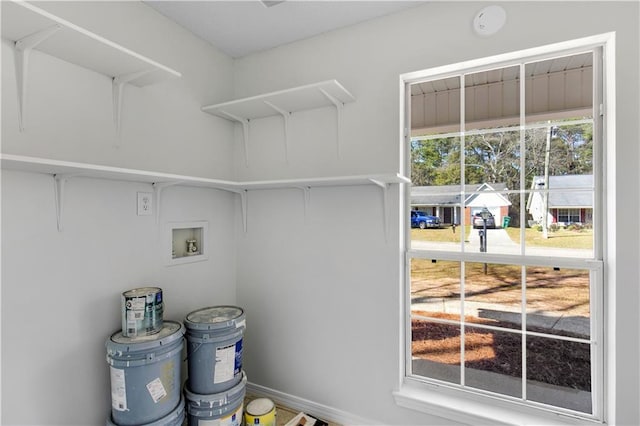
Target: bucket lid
[[143, 291], [215, 317], [170, 332], [260, 407], [215, 400]]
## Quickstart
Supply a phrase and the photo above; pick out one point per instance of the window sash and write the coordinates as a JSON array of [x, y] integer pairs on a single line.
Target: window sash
[[593, 265]]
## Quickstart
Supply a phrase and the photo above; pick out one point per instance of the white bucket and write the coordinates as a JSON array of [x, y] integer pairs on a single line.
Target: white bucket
[[145, 375]]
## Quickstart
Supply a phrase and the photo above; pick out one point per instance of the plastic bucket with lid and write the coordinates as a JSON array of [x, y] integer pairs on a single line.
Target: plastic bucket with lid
[[142, 311], [214, 348], [174, 418], [260, 411], [145, 374], [220, 409]]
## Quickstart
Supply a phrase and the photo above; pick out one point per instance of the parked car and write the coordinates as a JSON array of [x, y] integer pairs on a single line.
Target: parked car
[[422, 220], [478, 222]]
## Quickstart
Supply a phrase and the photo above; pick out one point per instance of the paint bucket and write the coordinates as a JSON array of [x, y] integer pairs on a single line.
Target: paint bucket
[[220, 409], [145, 374], [260, 411], [142, 310], [214, 348], [174, 418]]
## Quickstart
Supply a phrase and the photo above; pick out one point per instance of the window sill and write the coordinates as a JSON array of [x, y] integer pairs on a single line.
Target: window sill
[[474, 409]]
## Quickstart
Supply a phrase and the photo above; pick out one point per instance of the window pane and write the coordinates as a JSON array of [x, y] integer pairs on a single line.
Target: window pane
[[558, 301], [435, 106], [559, 373], [492, 96], [435, 289], [493, 360], [493, 294], [435, 350]]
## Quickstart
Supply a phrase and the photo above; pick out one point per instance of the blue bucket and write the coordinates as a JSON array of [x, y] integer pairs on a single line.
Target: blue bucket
[[224, 408], [214, 348], [174, 418], [145, 375]]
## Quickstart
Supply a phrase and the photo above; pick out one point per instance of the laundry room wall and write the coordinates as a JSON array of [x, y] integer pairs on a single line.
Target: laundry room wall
[[61, 289], [321, 286]]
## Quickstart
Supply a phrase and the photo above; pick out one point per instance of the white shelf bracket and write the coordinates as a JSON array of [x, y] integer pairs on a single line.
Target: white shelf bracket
[[306, 191], [157, 194], [117, 89], [59, 182], [285, 116], [385, 205], [244, 206], [22, 53], [245, 133], [339, 105]]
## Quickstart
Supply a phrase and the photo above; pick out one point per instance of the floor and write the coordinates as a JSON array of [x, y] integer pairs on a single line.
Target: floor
[[283, 414]]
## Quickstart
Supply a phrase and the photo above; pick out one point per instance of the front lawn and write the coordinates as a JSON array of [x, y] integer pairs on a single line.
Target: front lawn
[[562, 238]]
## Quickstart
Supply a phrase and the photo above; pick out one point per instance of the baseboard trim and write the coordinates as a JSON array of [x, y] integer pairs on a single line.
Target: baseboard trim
[[312, 408]]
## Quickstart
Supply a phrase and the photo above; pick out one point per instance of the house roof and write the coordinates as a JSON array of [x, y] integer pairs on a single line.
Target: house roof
[[572, 198], [449, 195]]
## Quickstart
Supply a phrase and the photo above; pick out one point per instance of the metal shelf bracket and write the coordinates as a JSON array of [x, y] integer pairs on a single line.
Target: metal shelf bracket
[[285, 116], [385, 205], [339, 106], [59, 182], [245, 133], [117, 89], [23, 50], [158, 187]]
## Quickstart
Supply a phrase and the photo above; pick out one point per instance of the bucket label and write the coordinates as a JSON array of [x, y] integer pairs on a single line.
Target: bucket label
[[118, 390], [226, 364], [156, 390], [234, 419]]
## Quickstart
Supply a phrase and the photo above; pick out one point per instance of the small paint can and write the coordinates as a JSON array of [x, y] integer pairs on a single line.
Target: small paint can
[[260, 411], [142, 310]]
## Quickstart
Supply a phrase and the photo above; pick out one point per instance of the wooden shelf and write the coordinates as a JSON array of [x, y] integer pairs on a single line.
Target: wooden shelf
[[283, 103], [30, 27], [61, 171]]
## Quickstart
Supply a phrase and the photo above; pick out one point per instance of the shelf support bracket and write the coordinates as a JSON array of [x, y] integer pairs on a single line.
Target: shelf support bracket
[[157, 194], [59, 182], [22, 53], [285, 116], [244, 205], [339, 106], [306, 190], [117, 89], [385, 205], [245, 133]]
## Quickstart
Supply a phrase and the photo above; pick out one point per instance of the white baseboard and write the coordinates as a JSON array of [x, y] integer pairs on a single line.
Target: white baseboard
[[312, 408]]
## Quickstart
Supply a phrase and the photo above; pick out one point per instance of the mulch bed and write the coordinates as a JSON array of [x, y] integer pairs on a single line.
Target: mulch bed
[[556, 362]]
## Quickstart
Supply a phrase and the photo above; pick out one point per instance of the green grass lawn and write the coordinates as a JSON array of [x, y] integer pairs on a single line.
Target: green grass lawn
[[442, 235], [562, 238]]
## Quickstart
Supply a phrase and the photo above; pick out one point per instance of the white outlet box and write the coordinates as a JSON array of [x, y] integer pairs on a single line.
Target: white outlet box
[[145, 203]]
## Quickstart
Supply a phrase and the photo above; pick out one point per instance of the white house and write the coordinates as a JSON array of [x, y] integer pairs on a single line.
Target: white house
[[563, 207], [303, 211]]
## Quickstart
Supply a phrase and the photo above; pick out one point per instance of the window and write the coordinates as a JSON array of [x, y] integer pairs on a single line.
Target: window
[[502, 303], [568, 216]]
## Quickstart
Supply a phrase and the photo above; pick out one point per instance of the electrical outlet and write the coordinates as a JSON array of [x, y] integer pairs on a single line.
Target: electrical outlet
[[145, 203]]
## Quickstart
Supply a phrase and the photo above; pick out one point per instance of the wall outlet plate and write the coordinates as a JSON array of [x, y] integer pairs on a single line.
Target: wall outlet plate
[[145, 203]]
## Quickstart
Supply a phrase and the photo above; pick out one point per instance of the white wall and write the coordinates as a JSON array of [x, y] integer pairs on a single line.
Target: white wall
[[70, 109], [61, 290], [322, 296]]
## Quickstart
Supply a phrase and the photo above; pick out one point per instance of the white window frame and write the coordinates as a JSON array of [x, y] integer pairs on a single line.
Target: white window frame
[[476, 407]]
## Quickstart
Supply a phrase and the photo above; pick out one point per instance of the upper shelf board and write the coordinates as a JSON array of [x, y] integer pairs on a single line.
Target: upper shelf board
[[79, 46], [290, 100], [72, 169]]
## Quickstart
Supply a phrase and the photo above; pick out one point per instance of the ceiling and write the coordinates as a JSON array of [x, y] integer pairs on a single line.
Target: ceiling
[[242, 27]]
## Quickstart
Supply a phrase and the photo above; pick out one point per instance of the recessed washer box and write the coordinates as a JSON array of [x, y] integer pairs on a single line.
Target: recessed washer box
[[187, 242]]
